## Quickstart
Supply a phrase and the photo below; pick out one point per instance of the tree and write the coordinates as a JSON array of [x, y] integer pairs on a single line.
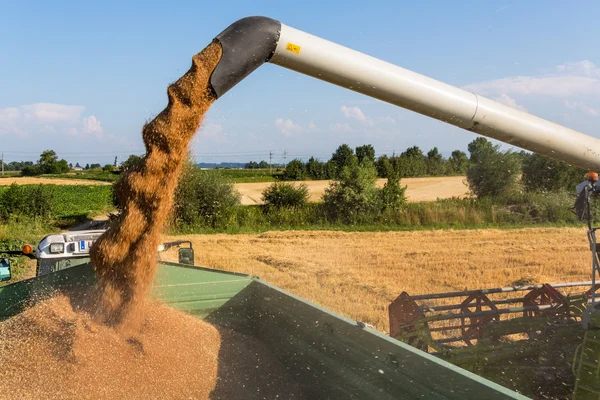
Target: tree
[[87, 166], [343, 157], [131, 162], [494, 173], [263, 164], [61, 167], [384, 166], [107, 168], [458, 163], [71, 165], [316, 169], [365, 152], [94, 166], [392, 194], [479, 147], [411, 163], [251, 165], [354, 194], [47, 161], [294, 171], [435, 162], [541, 173]]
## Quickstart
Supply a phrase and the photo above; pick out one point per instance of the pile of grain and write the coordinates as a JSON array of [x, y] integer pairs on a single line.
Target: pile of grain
[[55, 351]]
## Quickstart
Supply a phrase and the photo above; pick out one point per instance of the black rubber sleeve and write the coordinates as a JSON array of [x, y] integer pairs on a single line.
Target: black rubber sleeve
[[247, 44]]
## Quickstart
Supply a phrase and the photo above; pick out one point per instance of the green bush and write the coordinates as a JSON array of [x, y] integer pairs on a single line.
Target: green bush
[[281, 194], [203, 198], [31, 201], [541, 173], [354, 195], [294, 171], [31, 170], [492, 173], [392, 195]]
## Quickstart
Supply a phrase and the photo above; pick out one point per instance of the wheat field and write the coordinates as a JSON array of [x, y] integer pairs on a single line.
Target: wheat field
[[358, 274]]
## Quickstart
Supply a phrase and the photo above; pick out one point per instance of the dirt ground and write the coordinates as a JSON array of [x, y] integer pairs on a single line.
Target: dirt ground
[[418, 189], [358, 274], [48, 181]]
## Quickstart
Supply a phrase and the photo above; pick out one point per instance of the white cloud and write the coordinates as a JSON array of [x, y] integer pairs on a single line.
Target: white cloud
[[388, 120], [568, 79], [509, 101], [92, 125], [48, 118], [340, 127], [578, 105], [357, 114], [288, 127], [311, 126], [585, 68]]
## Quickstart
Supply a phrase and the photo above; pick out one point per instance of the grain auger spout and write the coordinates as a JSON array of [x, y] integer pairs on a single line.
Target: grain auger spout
[[250, 42]]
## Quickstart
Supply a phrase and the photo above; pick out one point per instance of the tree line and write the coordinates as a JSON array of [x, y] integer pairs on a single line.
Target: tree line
[[411, 163]]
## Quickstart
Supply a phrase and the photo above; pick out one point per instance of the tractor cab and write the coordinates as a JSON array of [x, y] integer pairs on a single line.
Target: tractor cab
[[70, 249]]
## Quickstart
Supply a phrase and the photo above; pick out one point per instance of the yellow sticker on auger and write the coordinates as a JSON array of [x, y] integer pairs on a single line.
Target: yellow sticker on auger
[[294, 48]]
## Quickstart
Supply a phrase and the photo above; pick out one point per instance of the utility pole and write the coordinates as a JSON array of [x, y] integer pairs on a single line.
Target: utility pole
[[2, 163], [284, 158], [270, 159]]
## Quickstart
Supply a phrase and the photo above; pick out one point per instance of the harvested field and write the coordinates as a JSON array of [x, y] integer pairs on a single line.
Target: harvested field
[[358, 274], [58, 351], [418, 189], [49, 181]]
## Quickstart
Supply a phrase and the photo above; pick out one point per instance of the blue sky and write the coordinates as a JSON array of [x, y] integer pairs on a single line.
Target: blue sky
[[82, 78]]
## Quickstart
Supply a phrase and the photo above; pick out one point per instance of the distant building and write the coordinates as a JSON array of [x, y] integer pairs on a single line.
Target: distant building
[[77, 168]]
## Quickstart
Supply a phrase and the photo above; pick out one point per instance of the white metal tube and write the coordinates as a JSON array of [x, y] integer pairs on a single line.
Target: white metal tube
[[351, 69]]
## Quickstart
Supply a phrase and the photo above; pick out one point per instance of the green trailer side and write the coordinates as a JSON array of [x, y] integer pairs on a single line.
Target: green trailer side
[[330, 356]]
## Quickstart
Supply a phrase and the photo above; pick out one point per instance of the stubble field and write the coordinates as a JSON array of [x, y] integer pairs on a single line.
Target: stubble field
[[358, 274]]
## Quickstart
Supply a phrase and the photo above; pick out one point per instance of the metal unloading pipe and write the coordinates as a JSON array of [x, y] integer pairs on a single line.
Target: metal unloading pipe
[[250, 42]]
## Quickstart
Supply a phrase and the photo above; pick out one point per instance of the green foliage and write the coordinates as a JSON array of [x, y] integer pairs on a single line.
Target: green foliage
[[316, 169], [33, 170], [203, 198], [354, 194], [107, 168], [281, 194], [411, 163], [32, 201], [294, 171], [131, 162], [17, 165], [392, 195], [492, 173], [384, 167], [480, 147], [343, 157], [435, 163], [50, 164], [458, 163], [541, 173], [365, 153]]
